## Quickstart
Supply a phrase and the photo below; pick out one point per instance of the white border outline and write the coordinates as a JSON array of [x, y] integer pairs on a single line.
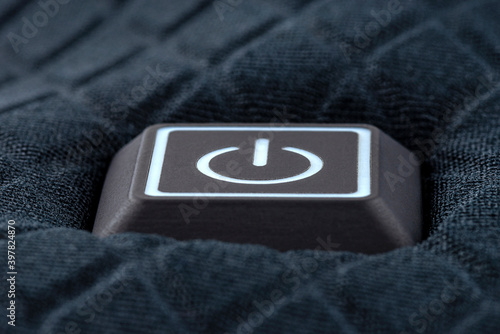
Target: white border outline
[[157, 160]]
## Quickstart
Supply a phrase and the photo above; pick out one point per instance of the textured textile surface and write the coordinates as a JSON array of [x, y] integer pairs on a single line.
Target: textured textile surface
[[80, 79]]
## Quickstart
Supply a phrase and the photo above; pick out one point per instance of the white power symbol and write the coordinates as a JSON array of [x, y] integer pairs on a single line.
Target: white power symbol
[[259, 160]]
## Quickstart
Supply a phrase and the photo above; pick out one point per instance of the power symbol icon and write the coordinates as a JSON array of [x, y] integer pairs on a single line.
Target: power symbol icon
[[260, 157]]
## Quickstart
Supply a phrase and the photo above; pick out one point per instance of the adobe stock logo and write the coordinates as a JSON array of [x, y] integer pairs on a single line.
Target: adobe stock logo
[[31, 26], [365, 35]]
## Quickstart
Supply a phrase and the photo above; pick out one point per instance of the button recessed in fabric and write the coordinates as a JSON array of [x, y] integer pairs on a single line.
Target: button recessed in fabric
[[285, 187]]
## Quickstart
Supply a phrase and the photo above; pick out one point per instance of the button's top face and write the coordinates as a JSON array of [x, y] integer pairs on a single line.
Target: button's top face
[[258, 162]]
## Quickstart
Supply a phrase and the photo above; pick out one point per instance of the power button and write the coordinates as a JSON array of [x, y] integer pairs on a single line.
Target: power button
[[281, 186]]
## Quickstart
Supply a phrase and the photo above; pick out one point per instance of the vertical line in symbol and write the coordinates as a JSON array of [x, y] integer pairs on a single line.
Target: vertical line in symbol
[[261, 152]]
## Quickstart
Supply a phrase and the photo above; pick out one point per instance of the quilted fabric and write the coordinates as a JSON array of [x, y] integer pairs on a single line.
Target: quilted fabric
[[80, 79]]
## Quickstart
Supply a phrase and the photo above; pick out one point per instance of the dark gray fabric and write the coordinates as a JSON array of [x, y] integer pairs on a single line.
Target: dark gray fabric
[[94, 74]]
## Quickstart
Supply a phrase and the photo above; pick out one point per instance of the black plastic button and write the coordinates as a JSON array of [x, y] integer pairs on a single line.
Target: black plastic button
[[281, 186]]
